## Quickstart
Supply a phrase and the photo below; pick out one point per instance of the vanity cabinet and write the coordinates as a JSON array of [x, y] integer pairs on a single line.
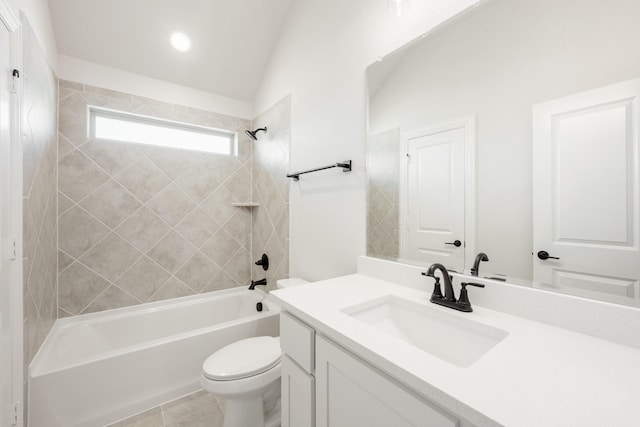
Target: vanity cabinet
[[297, 341], [342, 390]]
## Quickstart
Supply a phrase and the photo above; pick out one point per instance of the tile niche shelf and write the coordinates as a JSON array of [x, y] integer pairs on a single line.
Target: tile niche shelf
[[246, 205]]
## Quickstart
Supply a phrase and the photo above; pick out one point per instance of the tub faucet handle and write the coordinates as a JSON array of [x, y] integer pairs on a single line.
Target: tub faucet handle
[[263, 261]]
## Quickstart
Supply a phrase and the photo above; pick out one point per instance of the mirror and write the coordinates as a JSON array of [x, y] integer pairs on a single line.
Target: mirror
[[513, 129]]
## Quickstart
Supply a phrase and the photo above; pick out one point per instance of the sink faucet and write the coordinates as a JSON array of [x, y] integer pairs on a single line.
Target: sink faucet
[[448, 288], [261, 282], [449, 298], [475, 270]]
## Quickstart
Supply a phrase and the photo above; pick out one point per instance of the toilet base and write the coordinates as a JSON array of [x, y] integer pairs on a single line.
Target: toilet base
[[254, 409], [273, 417]]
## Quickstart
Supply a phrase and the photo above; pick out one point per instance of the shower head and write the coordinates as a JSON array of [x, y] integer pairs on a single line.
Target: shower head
[[252, 133]]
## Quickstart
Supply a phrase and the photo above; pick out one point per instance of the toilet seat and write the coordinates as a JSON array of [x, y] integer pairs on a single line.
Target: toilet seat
[[243, 359]]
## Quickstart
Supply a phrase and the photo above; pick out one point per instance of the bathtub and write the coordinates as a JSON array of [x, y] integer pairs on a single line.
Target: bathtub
[[98, 368]]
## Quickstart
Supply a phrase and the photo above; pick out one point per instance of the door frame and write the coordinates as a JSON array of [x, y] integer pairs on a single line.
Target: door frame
[[15, 212], [468, 124]]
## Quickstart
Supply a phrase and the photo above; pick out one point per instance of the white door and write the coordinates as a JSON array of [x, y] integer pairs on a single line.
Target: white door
[[7, 234], [585, 207], [433, 200]]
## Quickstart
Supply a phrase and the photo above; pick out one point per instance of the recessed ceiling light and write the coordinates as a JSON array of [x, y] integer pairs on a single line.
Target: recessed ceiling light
[[180, 41]]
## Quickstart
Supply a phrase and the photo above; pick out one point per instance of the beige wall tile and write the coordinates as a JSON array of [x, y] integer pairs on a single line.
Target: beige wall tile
[[171, 204], [143, 279], [66, 84], [222, 167], [72, 122], [197, 272], [78, 176], [221, 247], [111, 156], [173, 162], [111, 257], [221, 281], [143, 178], [143, 229], [197, 227], [239, 266], [239, 227], [239, 184], [64, 203], [64, 260], [111, 204], [79, 231], [78, 287], [112, 297], [174, 288], [108, 92], [198, 182], [219, 205], [172, 252]]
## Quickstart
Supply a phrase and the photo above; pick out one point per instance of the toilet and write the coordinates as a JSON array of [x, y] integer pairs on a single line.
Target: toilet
[[246, 375]]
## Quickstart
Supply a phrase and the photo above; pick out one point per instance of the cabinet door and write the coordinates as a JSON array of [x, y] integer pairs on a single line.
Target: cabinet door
[[351, 393], [298, 395]]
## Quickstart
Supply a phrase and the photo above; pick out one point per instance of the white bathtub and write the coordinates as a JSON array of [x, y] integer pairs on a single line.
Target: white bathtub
[[95, 369]]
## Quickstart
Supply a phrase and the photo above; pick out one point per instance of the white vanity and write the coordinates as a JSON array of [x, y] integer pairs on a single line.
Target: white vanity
[[363, 351]]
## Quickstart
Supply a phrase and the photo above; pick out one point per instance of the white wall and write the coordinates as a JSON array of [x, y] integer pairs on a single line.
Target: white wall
[[93, 74], [320, 60], [529, 56], [37, 12]]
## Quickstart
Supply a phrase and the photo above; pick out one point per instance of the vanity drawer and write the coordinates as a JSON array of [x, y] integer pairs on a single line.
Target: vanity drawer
[[297, 341]]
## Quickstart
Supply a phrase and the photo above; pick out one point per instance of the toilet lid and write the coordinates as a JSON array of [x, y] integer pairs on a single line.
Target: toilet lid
[[243, 358]]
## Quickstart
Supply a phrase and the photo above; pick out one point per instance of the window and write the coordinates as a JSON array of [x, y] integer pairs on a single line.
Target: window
[[118, 126]]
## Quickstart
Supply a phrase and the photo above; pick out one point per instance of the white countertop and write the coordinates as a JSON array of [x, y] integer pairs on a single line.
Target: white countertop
[[539, 375]]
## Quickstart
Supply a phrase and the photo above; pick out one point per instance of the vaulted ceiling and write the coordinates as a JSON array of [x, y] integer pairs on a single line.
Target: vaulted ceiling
[[232, 40]]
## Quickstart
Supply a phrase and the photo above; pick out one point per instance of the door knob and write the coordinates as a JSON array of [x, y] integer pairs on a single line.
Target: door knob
[[456, 243], [544, 255]]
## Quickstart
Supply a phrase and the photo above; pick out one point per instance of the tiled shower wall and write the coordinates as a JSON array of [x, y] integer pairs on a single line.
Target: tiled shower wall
[[141, 223], [271, 189], [39, 103], [383, 187]]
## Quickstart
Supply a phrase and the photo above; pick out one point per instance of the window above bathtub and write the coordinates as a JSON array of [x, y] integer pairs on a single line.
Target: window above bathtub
[[126, 127]]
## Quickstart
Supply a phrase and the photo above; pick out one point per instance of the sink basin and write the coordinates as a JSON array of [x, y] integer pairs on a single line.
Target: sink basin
[[450, 337]]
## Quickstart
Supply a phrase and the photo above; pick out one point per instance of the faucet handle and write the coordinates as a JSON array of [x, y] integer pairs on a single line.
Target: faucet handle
[[437, 292], [477, 285], [463, 301]]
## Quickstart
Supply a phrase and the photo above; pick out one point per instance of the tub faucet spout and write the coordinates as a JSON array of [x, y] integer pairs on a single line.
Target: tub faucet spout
[[254, 283]]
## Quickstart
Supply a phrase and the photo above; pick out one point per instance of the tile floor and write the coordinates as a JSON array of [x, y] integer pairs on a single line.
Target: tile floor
[[200, 409]]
